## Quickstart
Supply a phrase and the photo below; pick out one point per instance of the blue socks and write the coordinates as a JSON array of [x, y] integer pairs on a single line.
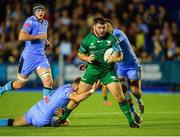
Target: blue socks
[[46, 91], [6, 122], [6, 87]]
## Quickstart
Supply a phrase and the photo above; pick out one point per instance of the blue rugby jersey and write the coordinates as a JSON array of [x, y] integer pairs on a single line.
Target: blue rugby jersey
[[35, 27], [42, 112], [129, 57]]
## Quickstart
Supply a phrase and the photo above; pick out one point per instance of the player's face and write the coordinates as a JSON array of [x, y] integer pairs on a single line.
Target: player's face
[[99, 29], [109, 27], [39, 13]]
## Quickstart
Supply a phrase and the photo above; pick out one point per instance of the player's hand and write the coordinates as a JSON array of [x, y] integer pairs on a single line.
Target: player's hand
[[115, 57], [96, 85], [90, 58], [48, 45], [42, 36], [59, 111]]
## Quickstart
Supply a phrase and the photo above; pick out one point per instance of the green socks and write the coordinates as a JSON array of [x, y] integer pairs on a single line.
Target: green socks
[[126, 110], [66, 113]]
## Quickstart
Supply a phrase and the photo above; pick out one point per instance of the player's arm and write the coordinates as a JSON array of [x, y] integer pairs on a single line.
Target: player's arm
[[86, 57], [24, 36], [77, 97], [117, 54]]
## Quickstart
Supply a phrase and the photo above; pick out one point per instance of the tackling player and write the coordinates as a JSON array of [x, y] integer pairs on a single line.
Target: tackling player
[[43, 113], [128, 69], [34, 34]]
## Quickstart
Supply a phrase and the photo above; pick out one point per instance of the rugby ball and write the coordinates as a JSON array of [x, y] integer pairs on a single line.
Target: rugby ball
[[108, 53]]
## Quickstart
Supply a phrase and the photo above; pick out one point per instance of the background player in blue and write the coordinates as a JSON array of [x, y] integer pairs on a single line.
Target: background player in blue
[[128, 69], [34, 33], [42, 113]]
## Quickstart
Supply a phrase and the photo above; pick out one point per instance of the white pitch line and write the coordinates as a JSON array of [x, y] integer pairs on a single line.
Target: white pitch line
[[117, 113]]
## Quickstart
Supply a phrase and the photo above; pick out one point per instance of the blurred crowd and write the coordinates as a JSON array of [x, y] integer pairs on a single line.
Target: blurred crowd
[[152, 33]]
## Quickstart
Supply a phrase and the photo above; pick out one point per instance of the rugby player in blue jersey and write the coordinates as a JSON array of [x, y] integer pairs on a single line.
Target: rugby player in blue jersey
[[128, 69], [34, 34], [43, 113]]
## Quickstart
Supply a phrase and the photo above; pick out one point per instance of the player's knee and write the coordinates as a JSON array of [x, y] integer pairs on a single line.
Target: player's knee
[[135, 90], [119, 98], [20, 82], [124, 85], [46, 78]]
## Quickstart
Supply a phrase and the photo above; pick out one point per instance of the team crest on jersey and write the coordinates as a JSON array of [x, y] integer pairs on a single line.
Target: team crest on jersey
[[92, 44], [27, 25]]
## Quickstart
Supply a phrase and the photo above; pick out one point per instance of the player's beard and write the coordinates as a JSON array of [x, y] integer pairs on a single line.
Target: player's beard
[[99, 34]]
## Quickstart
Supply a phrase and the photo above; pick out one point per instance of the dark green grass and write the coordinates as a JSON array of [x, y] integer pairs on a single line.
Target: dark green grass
[[91, 118]]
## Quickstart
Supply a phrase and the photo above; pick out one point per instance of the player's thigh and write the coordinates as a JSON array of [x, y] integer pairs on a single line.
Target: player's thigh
[[84, 87], [91, 76], [27, 64], [116, 90], [134, 73], [21, 121]]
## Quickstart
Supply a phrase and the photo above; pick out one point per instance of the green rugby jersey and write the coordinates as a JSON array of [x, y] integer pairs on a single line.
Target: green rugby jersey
[[92, 44]]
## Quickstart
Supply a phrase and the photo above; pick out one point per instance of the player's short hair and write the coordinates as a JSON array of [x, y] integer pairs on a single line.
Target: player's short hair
[[99, 20], [109, 21], [38, 6], [77, 80]]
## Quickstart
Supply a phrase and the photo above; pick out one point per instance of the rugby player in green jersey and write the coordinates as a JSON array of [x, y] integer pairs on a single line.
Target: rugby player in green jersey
[[92, 50]]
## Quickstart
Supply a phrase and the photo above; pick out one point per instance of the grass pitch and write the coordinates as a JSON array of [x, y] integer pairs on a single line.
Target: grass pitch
[[92, 118]]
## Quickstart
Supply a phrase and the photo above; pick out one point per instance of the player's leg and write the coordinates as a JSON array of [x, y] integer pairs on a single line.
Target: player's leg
[[104, 94], [13, 122], [44, 72], [134, 76], [135, 86], [115, 88], [46, 78], [22, 77], [124, 84]]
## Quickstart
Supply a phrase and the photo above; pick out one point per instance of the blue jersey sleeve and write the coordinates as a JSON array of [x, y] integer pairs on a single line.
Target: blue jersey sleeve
[[27, 26], [67, 90], [119, 34]]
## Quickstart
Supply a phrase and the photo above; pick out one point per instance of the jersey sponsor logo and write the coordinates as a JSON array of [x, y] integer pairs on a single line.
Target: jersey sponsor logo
[[92, 47], [27, 25], [99, 41]]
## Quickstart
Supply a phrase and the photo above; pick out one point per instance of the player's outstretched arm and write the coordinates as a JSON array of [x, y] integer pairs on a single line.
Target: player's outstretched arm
[[77, 97], [24, 36]]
